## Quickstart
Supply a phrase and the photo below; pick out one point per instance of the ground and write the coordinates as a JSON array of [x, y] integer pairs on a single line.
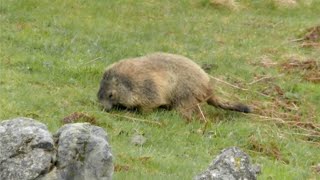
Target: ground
[[262, 53]]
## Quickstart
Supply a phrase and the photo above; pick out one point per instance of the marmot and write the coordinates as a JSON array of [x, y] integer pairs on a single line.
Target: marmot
[[159, 80]]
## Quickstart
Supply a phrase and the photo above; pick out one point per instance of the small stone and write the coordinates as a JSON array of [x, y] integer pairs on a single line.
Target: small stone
[[138, 140]]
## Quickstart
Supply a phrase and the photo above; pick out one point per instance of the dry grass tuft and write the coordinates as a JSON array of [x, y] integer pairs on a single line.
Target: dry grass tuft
[[229, 4], [310, 38], [79, 117], [286, 3], [270, 149], [309, 69]]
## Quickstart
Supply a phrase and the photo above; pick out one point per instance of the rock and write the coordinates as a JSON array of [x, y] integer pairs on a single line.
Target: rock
[[231, 164], [83, 153], [26, 149], [138, 140]]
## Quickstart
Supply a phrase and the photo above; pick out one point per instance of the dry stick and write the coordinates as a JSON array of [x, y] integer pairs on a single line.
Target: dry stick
[[263, 78], [205, 120], [297, 40], [237, 87], [260, 79], [138, 120], [90, 61], [266, 117]]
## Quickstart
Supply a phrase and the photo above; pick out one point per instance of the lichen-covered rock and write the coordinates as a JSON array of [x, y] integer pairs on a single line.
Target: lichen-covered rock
[[83, 153], [231, 164], [26, 149]]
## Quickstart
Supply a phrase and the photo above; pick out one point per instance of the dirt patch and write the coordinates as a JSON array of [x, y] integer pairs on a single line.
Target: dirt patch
[[270, 149], [312, 34], [79, 117], [267, 62], [308, 69], [123, 168], [282, 105], [310, 38]]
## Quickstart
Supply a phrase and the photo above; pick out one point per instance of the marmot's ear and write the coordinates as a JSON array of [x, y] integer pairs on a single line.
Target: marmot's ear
[[107, 75]]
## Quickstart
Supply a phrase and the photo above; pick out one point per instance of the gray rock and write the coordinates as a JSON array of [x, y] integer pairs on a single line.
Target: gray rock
[[138, 140], [83, 153], [26, 149], [231, 164]]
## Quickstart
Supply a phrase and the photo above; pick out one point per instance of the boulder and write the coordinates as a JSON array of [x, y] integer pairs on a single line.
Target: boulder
[[83, 153], [26, 149], [231, 164]]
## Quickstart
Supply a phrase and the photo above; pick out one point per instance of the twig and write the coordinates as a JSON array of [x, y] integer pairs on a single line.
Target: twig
[[237, 87], [260, 79], [202, 115], [264, 78], [297, 40], [205, 120], [137, 119], [266, 117], [90, 61]]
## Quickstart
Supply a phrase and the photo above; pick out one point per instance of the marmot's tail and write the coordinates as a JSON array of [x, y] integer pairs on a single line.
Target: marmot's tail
[[228, 106]]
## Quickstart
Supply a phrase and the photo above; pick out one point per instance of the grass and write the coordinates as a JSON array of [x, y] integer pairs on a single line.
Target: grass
[[53, 54]]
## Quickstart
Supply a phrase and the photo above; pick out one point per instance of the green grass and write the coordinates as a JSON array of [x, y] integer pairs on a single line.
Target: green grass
[[53, 54]]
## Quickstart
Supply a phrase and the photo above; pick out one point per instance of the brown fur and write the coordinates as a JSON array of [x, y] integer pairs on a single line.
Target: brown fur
[[159, 80]]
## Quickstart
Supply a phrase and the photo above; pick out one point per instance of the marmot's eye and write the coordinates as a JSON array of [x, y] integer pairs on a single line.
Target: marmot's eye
[[110, 96]]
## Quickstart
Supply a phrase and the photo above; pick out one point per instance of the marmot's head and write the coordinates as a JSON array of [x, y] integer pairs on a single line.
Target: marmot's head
[[115, 90]]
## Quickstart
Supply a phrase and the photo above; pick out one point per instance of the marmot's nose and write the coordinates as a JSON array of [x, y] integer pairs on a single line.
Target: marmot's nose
[[106, 106], [100, 94]]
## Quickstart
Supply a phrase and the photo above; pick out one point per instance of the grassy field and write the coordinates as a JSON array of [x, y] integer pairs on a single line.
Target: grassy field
[[53, 54]]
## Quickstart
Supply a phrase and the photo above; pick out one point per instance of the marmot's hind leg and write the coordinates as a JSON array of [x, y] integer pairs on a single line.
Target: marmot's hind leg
[[186, 113], [187, 108]]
